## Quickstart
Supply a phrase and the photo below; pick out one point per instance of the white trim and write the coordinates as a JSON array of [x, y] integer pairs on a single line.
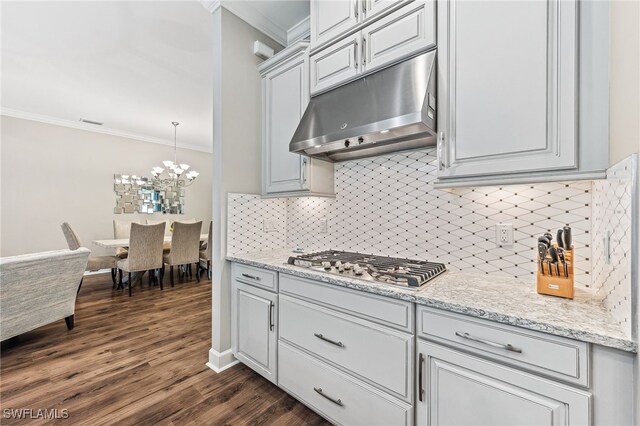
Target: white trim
[[283, 55], [211, 5], [8, 112], [220, 361], [257, 20], [299, 31], [99, 271]]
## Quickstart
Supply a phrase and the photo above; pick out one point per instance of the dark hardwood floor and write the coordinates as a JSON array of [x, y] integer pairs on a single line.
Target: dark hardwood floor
[[138, 360]]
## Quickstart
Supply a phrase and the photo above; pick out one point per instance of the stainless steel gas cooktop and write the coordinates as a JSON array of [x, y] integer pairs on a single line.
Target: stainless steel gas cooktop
[[392, 270]]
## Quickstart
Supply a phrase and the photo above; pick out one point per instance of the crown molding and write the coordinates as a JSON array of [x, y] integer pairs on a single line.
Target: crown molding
[[251, 16], [8, 112], [211, 5], [299, 31]]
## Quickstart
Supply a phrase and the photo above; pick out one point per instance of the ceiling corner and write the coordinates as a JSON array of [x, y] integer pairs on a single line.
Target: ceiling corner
[[257, 20]]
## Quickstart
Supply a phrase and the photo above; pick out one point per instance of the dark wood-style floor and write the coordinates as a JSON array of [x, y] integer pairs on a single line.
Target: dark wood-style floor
[[138, 360]]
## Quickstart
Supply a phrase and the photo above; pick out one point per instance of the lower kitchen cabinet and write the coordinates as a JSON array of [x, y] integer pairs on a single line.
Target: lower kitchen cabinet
[[454, 388], [254, 313], [337, 396]]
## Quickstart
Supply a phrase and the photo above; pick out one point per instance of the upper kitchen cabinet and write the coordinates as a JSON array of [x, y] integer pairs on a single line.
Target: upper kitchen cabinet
[[285, 95], [509, 107], [332, 18], [395, 34]]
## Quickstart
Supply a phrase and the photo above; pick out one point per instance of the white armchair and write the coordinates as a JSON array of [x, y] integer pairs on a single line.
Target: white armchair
[[38, 289]]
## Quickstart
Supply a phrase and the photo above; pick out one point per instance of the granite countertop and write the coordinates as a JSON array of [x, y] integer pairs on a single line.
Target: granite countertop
[[495, 298]]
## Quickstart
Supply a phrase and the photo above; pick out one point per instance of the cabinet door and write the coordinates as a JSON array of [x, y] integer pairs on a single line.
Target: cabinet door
[[330, 18], [373, 7], [335, 64], [286, 96], [406, 31], [507, 86], [459, 389], [254, 330]]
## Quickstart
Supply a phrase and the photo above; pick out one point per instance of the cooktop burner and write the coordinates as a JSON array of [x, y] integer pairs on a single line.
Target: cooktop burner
[[410, 273]]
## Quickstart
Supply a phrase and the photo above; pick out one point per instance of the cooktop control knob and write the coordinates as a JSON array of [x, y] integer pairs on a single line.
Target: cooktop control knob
[[358, 270], [341, 268], [347, 266], [326, 265], [338, 264]]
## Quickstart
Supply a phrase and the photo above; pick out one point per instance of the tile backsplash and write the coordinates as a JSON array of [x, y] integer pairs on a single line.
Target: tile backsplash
[[388, 205], [246, 214], [613, 215]]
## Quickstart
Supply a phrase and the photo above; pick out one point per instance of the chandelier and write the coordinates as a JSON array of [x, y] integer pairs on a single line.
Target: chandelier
[[173, 174]]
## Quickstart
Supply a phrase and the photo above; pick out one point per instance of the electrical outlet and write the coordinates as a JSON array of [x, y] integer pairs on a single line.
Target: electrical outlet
[[323, 226], [504, 234]]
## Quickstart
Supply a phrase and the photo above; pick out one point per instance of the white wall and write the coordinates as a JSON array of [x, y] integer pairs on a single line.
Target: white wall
[[52, 174], [236, 153]]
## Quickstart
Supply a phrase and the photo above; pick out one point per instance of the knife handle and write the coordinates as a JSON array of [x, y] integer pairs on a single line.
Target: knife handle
[[560, 239], [567, 238]]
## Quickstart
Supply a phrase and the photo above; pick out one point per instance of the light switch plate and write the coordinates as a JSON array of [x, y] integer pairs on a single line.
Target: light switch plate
[[323, 226], [269, 225]]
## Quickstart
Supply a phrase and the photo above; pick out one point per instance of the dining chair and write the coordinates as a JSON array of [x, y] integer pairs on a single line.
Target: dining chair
[[145, 251], [95, 263], [206, 252], [121, 231], [185, 247]]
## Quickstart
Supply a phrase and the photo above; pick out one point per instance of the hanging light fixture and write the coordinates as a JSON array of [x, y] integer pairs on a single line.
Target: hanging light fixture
[[174, 174]]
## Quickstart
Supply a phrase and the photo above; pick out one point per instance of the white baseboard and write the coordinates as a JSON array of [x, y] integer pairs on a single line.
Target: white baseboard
[[99, 271], [220, 361]]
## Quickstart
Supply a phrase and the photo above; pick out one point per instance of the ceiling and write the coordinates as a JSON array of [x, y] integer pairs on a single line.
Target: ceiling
[[134, 66]]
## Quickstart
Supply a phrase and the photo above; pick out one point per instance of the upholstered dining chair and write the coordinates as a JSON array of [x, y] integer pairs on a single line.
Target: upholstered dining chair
[[145, 251], [185, 247], [121, 231], [94, 263], [206, 252]]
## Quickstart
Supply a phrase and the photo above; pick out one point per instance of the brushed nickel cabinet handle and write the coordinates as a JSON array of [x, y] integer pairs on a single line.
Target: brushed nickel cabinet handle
[[364, 50], [506, 346], [251, 276], [335, 401], [355, 55], [333, 342], [355, 8], [420, 387], [271, 323]]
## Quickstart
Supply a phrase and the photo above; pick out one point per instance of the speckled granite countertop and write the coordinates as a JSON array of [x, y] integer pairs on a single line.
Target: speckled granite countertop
[[501, 299]]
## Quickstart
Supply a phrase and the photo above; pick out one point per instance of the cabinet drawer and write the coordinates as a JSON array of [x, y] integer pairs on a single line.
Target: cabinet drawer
[[553, 356], [406, 31], [255, 276], [382, 310], [338, 397], [335, 64], [358, 346]]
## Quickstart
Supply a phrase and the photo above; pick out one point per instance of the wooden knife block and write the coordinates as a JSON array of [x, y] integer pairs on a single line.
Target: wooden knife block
[[554, 285]]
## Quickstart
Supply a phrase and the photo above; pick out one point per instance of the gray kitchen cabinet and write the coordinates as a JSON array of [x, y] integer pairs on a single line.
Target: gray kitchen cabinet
[[254, 313], [454, 388], [374, 7], [508, 93], [393, 36], [400, 34], [285, 94], [335, 64], [330, 18]]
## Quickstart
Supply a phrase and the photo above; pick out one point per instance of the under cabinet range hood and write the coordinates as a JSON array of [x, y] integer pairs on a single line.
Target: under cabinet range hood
[[393, 109]]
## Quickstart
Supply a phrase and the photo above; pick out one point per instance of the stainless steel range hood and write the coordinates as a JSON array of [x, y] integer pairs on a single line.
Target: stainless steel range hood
[[390, 110]]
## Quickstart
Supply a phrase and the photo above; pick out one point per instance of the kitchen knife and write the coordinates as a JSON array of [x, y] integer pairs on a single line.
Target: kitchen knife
[[566, 237], [549, 236], [560, 239], [553, 252], [545, 241], [562, 259], [542, 253]]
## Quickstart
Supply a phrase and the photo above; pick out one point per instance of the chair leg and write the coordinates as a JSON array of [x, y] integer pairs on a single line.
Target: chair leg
[[162, 277], [79, 286], [209, 269], [197, 271], [129, 284], [171, 274], [69, 321], [119, 278], [189, 269]]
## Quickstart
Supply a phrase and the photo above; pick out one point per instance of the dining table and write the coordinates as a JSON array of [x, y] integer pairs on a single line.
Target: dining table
[[124, 242]]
